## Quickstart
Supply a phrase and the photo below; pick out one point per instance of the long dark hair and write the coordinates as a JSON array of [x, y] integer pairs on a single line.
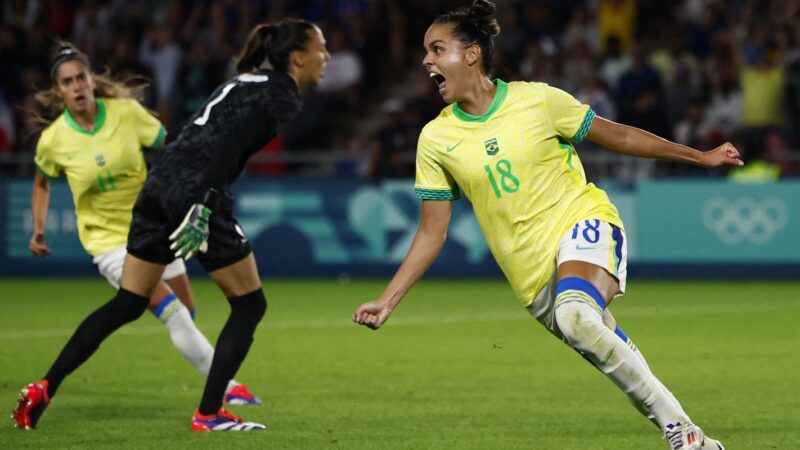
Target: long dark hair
[[474, 25], [274, 42]]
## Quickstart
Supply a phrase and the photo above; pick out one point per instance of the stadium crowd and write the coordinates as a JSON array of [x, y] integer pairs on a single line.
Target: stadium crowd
[[698, 71]]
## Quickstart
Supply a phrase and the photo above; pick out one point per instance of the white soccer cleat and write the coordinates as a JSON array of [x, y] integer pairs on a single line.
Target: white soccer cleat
[[689, 436]]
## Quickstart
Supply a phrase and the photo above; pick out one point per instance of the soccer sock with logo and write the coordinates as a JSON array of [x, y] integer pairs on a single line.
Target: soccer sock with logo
[[232, 346], [123, 308], [578, 312]]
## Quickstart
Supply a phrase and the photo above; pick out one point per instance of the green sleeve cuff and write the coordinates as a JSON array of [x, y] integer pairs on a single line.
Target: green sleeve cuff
[[46, 175], [438, 194], [586, 125], [159, 139]]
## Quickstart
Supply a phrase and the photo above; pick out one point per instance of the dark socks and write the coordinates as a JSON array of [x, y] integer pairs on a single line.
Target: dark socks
[[123, 308], [232, 347]]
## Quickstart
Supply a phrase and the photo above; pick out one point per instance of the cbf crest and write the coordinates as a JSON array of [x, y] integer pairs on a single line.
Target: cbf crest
[[100, 160], [492, 147]]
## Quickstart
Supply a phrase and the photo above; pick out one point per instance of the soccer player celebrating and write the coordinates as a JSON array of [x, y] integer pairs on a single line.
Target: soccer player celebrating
[[508, 147], [185, 208], [97, 144]]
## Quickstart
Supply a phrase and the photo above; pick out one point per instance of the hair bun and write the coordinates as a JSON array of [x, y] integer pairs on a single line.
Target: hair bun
[[481, 8], [481, 14]]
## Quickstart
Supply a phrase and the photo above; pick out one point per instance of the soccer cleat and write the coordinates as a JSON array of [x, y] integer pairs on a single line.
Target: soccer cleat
[[240, 395], [222, 421], [689, 437], [712, 444], [32, 401]]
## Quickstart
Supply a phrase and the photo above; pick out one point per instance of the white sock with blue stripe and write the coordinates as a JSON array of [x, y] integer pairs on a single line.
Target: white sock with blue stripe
[[184, 333], [578, 312]]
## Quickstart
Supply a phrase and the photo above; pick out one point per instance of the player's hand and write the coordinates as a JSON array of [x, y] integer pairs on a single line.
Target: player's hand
[[724, 155], [38, 245], [373, 314], [191, 236]]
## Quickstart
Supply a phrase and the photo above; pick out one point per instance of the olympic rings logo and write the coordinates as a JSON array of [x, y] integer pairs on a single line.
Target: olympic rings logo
[[744, 219]]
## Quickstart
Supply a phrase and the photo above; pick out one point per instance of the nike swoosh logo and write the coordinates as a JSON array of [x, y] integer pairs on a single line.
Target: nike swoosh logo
[[450, 149], [70, 156], [580, 247]]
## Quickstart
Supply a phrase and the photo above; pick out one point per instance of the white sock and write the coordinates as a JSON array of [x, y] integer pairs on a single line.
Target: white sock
[[192, 344], [580, 321], [184, 334]]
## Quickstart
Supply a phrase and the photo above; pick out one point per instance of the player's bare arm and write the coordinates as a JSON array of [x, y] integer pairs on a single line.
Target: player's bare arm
[[427, 245], [40, 200], [633, 141]]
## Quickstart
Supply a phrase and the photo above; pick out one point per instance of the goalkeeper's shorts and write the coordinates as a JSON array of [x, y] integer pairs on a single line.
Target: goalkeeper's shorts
[[154, 220]]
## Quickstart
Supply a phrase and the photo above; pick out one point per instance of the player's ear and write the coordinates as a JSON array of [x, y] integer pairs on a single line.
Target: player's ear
[[297, 58], [472, 54]]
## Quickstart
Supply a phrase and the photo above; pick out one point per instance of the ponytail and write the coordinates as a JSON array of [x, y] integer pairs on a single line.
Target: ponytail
[[273, 42], [255, 49], [475, 25]]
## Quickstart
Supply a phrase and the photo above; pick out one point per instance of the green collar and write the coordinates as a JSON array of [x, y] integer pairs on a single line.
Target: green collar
[[497, 102], [99, 119]]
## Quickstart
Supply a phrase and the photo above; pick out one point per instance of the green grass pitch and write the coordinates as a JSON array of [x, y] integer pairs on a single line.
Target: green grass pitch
[[460, 365]]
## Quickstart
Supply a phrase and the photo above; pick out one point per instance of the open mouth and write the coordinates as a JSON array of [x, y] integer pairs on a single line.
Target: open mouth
[[80, 98], [439, 79]]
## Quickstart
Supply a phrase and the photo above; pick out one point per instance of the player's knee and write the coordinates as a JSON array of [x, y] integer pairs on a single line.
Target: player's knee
[[578, 312], [126, 306], [252, 305]]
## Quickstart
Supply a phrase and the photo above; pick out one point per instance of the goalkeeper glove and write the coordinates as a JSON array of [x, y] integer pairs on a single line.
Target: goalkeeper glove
[[191, 236]]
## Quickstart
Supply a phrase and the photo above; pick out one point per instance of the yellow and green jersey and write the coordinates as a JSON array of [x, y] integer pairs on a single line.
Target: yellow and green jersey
[[518, 167], [105, 167]]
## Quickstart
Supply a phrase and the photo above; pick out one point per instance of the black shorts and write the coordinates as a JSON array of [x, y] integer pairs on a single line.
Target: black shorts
[[156, 216]]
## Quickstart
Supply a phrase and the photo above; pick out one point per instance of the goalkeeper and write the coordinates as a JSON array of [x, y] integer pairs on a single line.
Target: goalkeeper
[[185, 209]]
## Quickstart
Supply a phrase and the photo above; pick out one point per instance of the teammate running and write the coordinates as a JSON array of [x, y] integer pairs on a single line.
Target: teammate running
[[508, 147], [185, 208]]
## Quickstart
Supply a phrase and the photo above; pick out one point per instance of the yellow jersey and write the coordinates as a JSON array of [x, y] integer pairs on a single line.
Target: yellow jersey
[[105, 167], [518, 167]]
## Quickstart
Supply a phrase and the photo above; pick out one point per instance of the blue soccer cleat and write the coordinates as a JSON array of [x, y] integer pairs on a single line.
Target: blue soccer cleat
[[240, 395], [223, 421]]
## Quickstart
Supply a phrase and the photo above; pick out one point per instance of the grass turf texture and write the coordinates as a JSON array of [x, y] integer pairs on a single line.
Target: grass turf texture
[[459, 365]]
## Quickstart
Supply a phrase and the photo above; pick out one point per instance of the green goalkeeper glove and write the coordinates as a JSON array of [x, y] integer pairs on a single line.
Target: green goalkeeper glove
[[192, 234]]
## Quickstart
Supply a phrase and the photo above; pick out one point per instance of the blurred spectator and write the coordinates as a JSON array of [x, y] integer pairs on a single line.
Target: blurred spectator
[[740, 59], [617, 18], [640, 96], [199, 75], [7, 126], [91, 29], [614, 64], [763, 83], [582, 29], [511, 41], [343, 72], [595, 94], [723, 114], [391, 158], [161, 52], [22, 13], [691, 129]]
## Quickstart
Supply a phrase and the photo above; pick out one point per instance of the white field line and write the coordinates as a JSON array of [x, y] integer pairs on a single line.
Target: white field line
[[707, 310]]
